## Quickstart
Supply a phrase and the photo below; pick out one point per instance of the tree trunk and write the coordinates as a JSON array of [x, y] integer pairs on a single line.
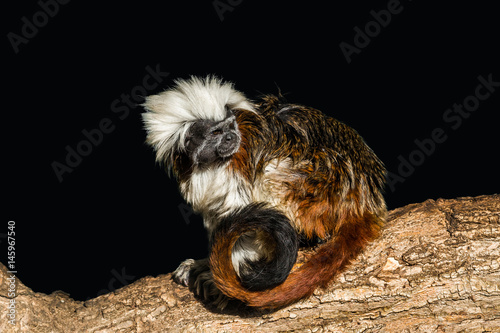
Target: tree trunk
[[436, 268]]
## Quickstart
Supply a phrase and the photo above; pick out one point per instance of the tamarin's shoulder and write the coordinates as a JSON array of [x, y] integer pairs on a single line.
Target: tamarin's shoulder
[[271, 106], [302, 130], [270, 103], [302, 122]]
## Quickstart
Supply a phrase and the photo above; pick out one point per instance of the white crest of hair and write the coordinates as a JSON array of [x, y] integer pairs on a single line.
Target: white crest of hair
[[171, 112]]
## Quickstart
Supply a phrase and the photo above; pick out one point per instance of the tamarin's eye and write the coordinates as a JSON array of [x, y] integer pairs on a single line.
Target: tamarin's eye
[[217, 132]]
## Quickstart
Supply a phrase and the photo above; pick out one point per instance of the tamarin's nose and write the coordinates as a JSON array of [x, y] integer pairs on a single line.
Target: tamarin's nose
[[229, 137]]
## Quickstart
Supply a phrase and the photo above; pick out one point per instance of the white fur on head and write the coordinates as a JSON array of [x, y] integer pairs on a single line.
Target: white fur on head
[[171, 112]]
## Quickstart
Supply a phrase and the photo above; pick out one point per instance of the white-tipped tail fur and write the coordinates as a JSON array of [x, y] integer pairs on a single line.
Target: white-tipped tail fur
[[171, 112]]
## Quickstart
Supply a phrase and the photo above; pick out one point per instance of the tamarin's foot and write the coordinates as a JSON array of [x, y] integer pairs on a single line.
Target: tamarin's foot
[[196, 275], [181, 274]]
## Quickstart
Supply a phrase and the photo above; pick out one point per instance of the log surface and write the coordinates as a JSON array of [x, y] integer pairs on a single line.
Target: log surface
[[435, 268]]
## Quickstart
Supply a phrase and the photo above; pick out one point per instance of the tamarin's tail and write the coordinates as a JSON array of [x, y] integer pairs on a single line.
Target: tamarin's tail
[[262, 241], [330, 258]]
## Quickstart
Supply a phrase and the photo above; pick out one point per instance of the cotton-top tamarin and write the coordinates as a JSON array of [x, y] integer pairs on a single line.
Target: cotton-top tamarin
[[263, 175]]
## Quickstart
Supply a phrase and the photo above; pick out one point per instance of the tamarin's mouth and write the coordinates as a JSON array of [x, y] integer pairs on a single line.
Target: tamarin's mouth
[[226, 151], [230, 143]]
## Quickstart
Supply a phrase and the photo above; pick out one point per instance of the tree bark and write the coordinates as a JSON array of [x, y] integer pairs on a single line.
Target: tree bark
[[435, 268]]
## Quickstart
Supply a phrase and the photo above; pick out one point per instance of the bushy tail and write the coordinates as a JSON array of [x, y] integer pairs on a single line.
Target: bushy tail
[[330, 258]]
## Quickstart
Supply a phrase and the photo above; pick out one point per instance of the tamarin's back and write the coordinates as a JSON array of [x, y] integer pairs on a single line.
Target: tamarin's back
[[313, 159]]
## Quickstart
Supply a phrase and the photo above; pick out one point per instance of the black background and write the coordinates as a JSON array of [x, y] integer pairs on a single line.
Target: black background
[[118, 217]]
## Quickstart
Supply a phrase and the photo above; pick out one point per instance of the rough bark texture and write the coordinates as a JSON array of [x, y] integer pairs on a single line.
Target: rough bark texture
[[436, 268]]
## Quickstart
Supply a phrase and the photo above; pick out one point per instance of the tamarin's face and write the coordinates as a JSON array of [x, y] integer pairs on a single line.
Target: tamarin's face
[[209, 141]]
